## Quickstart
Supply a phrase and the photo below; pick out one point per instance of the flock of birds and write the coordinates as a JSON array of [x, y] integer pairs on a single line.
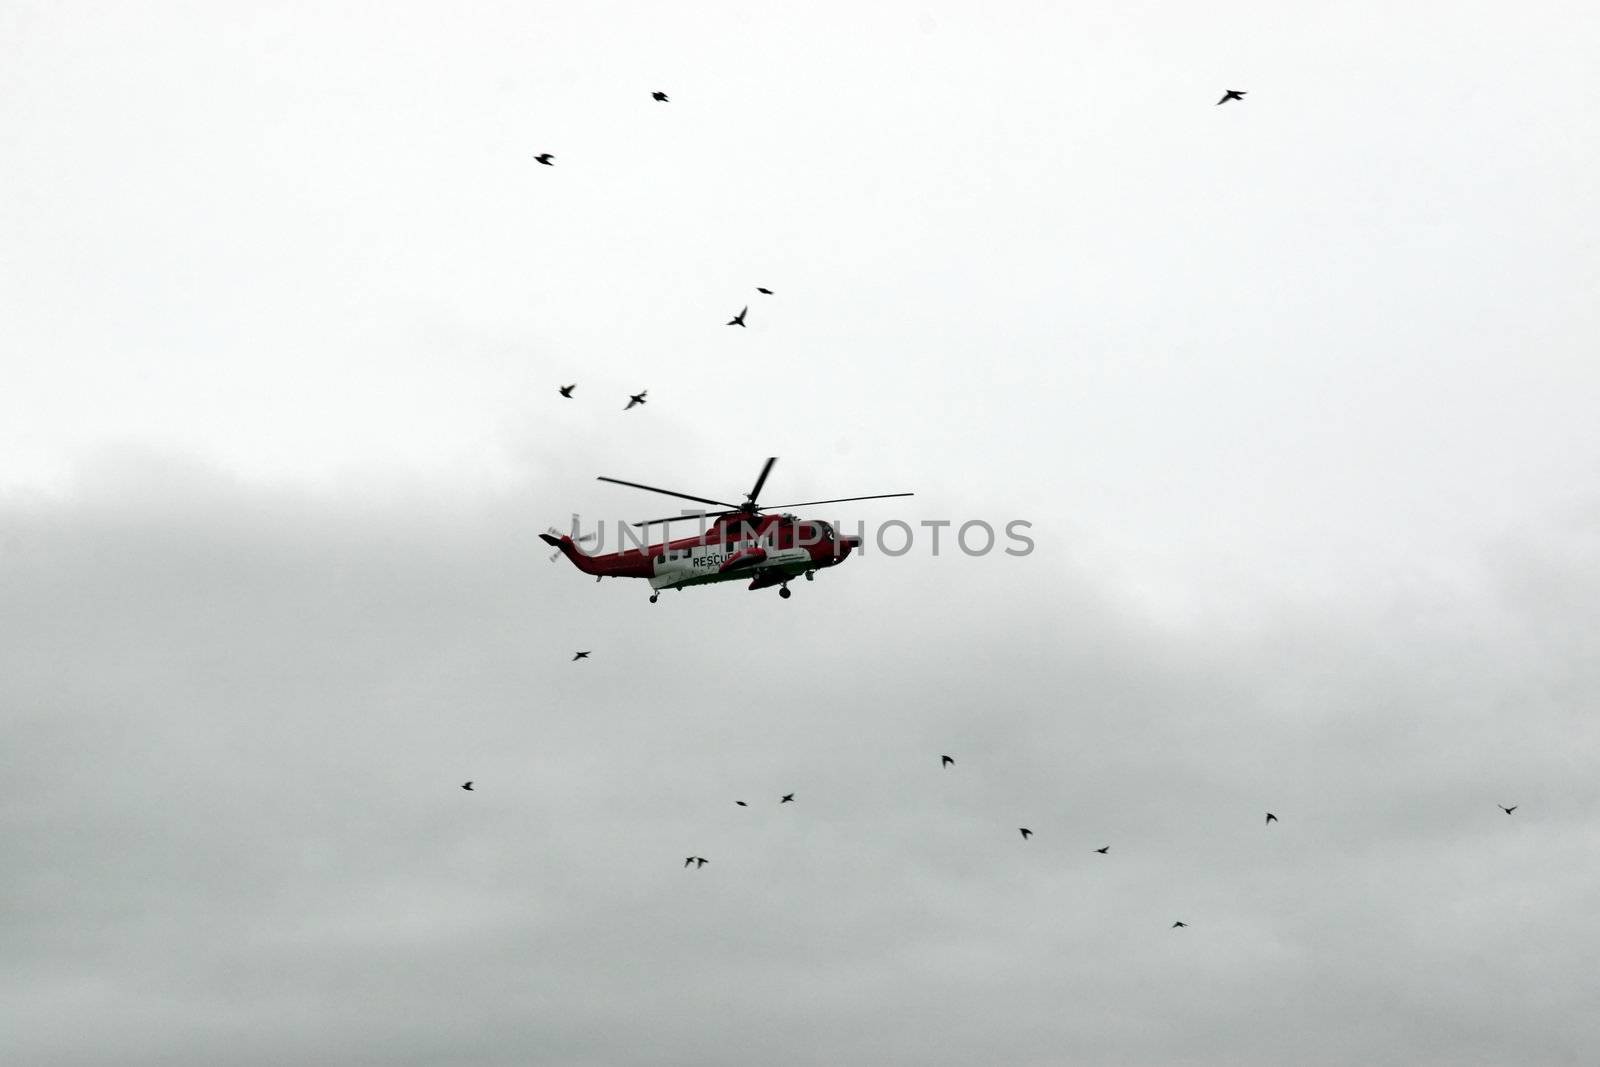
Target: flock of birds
[[698, 862], [637, 399]]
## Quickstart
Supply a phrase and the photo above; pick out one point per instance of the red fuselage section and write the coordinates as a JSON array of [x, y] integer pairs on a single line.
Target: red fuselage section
[[769, 549]]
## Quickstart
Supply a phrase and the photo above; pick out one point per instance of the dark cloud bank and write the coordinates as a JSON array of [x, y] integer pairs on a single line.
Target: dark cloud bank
[[236, 722]]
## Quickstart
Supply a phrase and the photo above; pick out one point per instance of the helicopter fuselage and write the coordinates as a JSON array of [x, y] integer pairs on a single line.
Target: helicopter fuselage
[[767, 550]]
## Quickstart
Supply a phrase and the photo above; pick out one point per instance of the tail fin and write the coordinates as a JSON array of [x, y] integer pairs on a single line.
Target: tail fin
[[570, 550]]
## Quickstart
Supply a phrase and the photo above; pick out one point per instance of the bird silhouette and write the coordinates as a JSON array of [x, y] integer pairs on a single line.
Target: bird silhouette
[[1026, 833], [946, 761], [1505, 809], [1176, 925], [741, 803], [1232, 94], [688, 860], [787, 798], [467, 786], [659, 96], [1271, 818], [566, 390], [635, 398], [576, 656], [700, 861], [1103, 851], [738, 320], [766, 292], [546, 158]]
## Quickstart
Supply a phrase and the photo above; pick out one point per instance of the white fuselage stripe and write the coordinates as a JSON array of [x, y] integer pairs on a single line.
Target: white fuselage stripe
[[701, 564]]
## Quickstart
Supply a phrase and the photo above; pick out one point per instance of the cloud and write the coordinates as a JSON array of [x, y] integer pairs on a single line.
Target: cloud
[[238, 717]]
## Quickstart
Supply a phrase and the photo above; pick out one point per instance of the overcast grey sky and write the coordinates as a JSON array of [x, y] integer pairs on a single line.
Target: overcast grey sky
[[1297, 393]]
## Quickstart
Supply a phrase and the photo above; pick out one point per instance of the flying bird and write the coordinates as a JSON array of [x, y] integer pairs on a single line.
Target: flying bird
[[787, 798], [467, 786], [576, 656], [546, 158], [1233, 94], [700, 861], [566, 390], [1026, 833], [741, 803], [659, 96], [1271, 818], [946, 761], [1505, 809], [766, 292], [738, 320], [1176, 925], [1103, 851], [635, 398]]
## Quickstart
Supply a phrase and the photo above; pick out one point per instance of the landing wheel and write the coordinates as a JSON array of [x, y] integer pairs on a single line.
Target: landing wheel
[[654, 597], [784, 592]]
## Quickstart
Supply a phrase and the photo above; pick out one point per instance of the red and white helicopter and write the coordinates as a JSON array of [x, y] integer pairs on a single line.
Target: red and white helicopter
[[741, 542]]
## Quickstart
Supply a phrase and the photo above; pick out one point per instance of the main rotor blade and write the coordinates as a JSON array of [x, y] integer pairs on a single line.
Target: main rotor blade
[[669, 492], [702, 515], [838, 500], [705, 515], [762, 480]]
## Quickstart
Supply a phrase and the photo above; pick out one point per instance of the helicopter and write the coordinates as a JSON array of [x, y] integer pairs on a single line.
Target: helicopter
[[743, 541]]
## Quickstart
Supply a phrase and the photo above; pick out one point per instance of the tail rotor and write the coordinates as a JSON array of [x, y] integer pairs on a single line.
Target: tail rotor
[[578, 538]]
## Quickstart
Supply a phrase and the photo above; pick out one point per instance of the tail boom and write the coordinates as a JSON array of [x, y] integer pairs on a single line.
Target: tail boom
[[614, 565]]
